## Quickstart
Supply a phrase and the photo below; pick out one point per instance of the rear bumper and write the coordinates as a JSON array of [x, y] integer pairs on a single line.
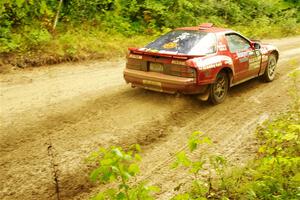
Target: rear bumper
[[162, 82]]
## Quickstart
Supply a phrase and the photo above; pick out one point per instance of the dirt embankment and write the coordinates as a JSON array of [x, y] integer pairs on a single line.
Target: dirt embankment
[[53, 117]]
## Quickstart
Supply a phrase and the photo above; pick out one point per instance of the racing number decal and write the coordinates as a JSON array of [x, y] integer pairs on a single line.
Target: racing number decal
[[254, 59]]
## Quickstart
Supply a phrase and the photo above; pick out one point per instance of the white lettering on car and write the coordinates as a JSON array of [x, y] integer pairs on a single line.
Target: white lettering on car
[[242, 54], [222, 47], [211, 66], [209, 63], [212, 62]]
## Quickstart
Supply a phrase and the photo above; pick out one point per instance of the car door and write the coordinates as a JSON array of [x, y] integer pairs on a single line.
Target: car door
[[246, 59]]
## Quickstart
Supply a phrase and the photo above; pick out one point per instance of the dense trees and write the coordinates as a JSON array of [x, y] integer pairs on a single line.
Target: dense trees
[[33, 19]]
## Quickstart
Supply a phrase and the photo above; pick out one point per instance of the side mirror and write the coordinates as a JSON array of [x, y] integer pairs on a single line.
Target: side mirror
[[256, 45]]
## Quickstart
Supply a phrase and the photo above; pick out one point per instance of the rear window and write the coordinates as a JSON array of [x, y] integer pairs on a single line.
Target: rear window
[[184, 42]]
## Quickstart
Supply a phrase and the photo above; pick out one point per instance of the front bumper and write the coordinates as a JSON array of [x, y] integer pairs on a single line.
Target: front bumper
[[162, 82]]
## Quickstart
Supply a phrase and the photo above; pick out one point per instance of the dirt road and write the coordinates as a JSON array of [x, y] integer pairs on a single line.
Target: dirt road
[[53, 117]]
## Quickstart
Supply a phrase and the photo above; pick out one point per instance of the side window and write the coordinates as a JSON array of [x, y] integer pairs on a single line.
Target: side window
[[237, 43]]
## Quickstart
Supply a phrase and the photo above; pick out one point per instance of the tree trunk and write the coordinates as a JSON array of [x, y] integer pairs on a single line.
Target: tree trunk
[[57, 14]]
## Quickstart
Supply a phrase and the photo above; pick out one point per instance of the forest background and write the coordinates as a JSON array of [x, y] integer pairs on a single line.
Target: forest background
[[29, 34]]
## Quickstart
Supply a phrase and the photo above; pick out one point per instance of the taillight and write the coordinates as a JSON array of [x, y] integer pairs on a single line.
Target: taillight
[[181, 70], [190, 72], [136, 62]]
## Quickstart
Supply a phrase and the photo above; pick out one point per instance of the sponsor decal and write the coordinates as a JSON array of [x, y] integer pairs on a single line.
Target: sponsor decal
[[135, 56], [257, 52], [254, 62], [242, 54], [167, 52], [148, 50], [178, 62], [222, 47], [152, 85], [254, 59], [264, 50], [208, 65], [251, 53], [211, 66], [254, 65], [170, 45], [218, 64], [245, 59], [213, 62], [153, 50]]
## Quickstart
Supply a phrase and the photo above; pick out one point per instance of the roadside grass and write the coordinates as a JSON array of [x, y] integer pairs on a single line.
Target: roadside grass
[[75, 44], [35, 46], [275, 172]]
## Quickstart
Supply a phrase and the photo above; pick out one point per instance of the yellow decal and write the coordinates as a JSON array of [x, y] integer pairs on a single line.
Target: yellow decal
[[178, 62], [170, 45], [152, 83]]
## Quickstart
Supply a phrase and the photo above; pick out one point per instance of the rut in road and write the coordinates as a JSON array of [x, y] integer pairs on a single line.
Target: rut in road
[[54, 168], [84, 107]]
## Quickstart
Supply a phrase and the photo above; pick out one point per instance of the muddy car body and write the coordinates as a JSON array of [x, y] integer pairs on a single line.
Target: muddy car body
[[203, 60]]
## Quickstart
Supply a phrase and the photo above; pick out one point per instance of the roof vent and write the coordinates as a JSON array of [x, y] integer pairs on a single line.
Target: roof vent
[[206, 25]]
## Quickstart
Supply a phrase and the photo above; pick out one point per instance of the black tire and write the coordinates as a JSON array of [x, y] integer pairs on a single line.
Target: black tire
[[219, 89], [270, 70]]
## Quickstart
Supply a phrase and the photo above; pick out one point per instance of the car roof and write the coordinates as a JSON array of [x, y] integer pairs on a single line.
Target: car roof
[[206, 27]]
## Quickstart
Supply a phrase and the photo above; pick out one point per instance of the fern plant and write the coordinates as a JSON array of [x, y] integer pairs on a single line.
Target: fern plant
[[115, 165]]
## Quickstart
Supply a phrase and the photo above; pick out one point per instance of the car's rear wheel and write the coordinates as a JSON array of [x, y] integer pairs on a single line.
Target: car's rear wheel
[[270, 71], [219, 89]]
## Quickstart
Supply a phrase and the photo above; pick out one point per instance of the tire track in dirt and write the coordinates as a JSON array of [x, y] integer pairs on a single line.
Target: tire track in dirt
[[233, 140], [237, 136], [78, 114]]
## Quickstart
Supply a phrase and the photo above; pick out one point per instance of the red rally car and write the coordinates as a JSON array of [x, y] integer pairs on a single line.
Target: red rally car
[[203, 60]]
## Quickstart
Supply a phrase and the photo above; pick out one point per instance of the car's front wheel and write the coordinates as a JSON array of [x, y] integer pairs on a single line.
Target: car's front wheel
[[219, 89], [270, 71]]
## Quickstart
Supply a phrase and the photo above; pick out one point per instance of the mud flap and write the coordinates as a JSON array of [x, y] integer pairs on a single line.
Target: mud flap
[[204, 96]]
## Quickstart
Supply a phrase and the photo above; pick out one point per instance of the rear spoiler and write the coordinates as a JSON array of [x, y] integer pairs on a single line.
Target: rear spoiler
[[177, 56], [255, 40]]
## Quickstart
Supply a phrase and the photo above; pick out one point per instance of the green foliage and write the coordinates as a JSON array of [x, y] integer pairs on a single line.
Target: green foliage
[[195, 140], [26, 25], [201, 188], [295, 90], [119, 166], [275, 172]]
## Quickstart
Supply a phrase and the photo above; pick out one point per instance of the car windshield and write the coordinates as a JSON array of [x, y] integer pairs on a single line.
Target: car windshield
[[184, 42]]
